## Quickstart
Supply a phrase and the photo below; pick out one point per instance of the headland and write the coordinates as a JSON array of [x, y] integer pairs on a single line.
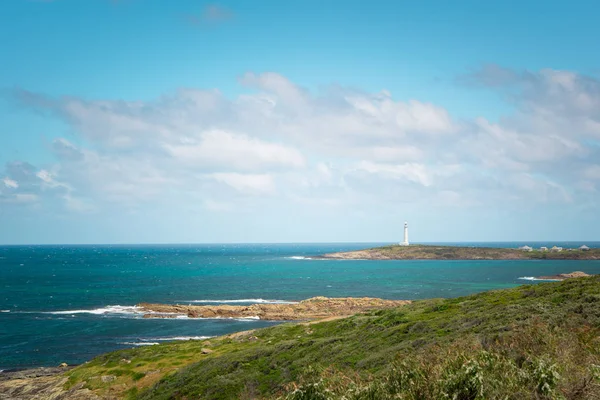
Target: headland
[[434, 252], [310, 309]]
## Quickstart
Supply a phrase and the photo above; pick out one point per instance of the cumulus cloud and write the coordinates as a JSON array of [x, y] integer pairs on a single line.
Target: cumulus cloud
[[337, 147], [229, 151]]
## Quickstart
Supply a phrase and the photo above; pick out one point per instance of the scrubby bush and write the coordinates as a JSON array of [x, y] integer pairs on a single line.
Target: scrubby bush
[[311, 391]]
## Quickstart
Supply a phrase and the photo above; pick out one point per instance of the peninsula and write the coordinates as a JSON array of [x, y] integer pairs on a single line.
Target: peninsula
[[434, 252], [313, 308]]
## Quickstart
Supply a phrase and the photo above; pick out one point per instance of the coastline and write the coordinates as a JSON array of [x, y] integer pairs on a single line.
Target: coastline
[[434, 252], [52, 382], [113, 375]]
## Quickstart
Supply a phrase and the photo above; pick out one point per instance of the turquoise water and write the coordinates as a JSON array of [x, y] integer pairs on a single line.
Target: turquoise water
[[70, 303]]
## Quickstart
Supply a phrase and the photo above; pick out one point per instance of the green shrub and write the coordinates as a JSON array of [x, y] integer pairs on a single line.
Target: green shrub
[[311, 391], [545, 376], [463, 380]]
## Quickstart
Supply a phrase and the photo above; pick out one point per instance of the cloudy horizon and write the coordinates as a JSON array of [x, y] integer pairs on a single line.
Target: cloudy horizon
[[126, 134]]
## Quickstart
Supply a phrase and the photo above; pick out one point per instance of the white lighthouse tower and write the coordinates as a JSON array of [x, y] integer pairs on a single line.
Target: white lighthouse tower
[[405, 242]]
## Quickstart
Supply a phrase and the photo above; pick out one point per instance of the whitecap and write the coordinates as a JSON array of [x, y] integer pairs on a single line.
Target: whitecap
[[164, 339], [254, 301], [299, 258], [4, 310], [139, 344], [253, 318], [533, 278], [100, 311]]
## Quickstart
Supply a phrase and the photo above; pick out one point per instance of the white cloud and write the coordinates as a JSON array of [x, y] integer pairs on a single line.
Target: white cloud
[[228, 151], [10, 183], [253, 184], [333, 147], [288, 94], [412, 172], [45, 176]]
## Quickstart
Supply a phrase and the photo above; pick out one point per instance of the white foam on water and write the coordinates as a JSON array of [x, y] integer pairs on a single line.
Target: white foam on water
[[165, 339], [4, 310], [253, 318], [533, 278], [299, 258], [254, 301], [100, 311], [139, 344]]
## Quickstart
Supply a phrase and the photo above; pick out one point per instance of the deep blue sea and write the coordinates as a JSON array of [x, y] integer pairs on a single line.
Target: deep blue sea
[[70, 303]]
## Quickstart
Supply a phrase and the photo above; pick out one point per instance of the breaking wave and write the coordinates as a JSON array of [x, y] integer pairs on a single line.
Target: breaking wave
[[166, 339], [179, 317], [533, 278], [101, 311], [139, 343]]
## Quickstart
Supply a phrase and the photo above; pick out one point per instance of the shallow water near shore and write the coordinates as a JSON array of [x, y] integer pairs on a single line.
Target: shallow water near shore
[[70, 303]]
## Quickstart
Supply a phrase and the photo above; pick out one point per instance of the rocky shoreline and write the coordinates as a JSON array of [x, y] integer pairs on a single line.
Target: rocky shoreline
[[310, 309], [562, 277], [49, 382], [434, 252]]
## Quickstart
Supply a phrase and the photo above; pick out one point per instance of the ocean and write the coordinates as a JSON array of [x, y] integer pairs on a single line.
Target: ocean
[[71, 303]]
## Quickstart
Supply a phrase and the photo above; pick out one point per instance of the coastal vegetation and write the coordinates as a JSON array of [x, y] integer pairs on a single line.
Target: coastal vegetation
[[532, 342], [431, 252]]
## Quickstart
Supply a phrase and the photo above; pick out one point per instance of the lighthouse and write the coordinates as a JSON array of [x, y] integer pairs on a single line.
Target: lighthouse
[[405, 242]]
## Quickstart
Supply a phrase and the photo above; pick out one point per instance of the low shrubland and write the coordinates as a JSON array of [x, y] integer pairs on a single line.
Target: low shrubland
[[531, 342]]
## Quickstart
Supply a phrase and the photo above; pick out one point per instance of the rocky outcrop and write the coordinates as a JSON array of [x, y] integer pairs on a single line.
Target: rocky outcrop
[[560, 277], [314, 308], [40, 384]]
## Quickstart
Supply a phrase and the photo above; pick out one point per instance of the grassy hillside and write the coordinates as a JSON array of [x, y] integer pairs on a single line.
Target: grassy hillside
[[430, 252], [532, 342]]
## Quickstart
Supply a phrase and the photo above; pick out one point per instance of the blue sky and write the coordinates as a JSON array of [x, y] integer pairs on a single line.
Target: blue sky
[[268, 121]]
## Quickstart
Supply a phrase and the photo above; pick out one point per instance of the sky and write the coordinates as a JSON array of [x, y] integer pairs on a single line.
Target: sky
[[155, 121]]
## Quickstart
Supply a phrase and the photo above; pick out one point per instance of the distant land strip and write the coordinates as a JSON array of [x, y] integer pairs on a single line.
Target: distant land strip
[[430, 252]]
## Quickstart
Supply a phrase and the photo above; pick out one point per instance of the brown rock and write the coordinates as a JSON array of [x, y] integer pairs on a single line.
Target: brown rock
[[43, 388], [314, 308], [107, 378], [560, 277], [206, 351]]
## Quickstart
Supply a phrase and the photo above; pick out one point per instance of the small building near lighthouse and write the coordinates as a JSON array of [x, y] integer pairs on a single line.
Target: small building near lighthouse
[[405, 242]]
